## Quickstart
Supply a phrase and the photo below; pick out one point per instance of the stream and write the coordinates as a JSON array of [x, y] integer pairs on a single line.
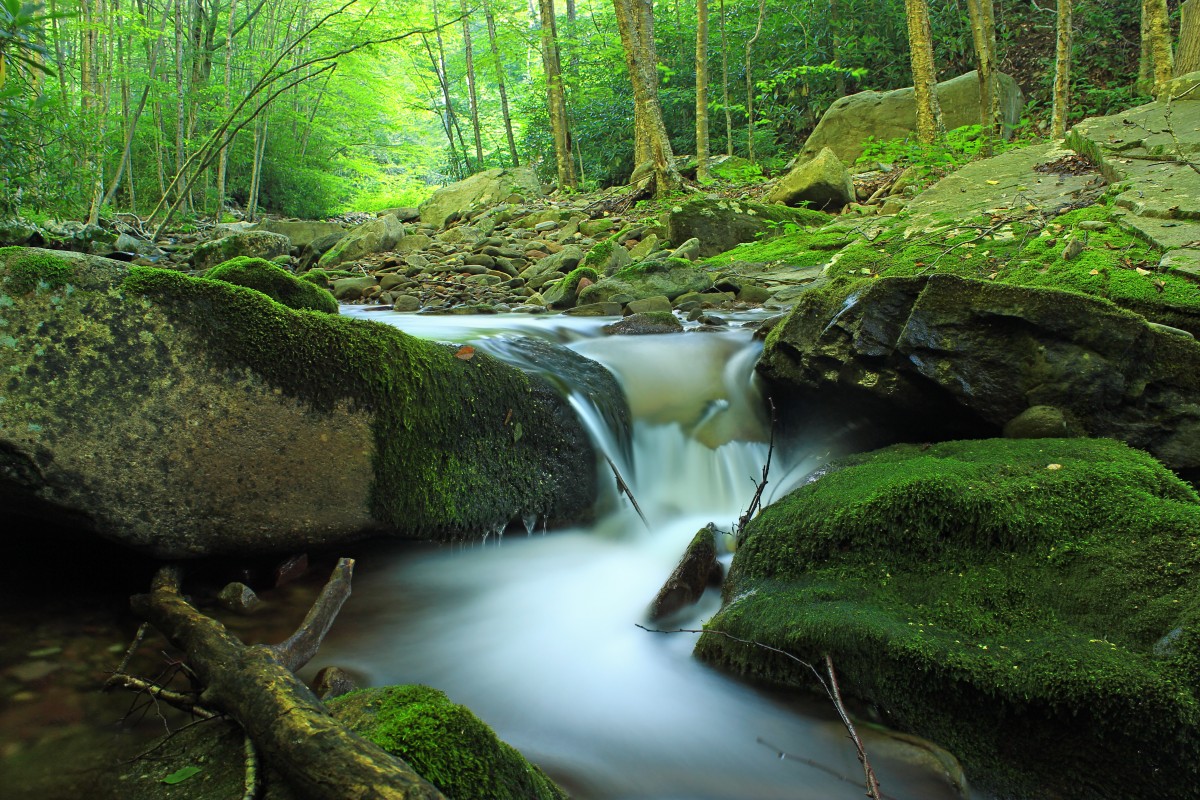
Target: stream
[[536, 632]]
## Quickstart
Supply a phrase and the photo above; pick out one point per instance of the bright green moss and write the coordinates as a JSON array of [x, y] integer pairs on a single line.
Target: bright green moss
[[1013, 600], [797, 248], [445, 743], [30, 270], [317, 277], [598, 256], [461, 446], [573, 278], [275, 282]]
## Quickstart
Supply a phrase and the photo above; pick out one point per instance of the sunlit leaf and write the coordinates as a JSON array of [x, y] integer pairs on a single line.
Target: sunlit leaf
[[180, 775]]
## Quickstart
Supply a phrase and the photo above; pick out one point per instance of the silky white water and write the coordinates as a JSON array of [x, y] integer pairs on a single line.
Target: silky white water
[[536, 632]]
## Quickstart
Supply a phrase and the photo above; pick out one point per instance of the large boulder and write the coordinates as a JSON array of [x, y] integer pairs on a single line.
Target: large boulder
[[722, 224], [185, 417], [251, 244], [377, 236], [670, 278], [939, 356], [851, 120], [821, 182], [300, 232], [276, 283], [1028, 604], [479, 192]]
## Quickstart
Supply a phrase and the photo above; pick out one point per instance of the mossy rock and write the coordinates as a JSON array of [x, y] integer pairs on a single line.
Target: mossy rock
[[251, 244], [669, 278], [564, 292], [444, 742], [1031, 605], [276, 283], [721, 224], [185, 416]]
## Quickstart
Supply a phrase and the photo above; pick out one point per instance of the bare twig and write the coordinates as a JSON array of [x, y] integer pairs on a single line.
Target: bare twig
[[301, 646], [623, 488], [761, 485]]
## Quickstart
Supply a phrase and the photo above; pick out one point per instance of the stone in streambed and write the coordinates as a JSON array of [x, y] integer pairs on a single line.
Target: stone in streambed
[[690, 577]]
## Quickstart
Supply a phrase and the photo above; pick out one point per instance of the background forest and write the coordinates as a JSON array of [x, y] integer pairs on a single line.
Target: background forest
[[310, 108]]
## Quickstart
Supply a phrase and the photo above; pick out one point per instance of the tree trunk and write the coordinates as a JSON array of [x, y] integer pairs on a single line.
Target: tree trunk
[[473, 95], [1157, 39], [1062, 71], [223, 154], [508, 129], [1187, 54], [555, 97], [257, 686], [983, 33], [443, 79], [446, 115], [762, 5], [920, 43], [635, 20], [702, 91], [725, 85]]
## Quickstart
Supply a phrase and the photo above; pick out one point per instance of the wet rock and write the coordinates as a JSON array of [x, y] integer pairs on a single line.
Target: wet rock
[[254, 244], [239, 598], [646, 305], [646, 323], [333, 682], [595, 310], [690, 577], [670, 278], [350, 289], [1037, 422]]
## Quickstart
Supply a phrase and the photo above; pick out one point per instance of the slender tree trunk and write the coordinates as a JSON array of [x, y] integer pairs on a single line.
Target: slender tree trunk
[[572, 33], [1187, 54], [983, 32], [635, 21], [444, 79], [725, 85], [508, 129], [180, 105], [446, 115], [131, 123], [260, 151], [1145, 78], [762, 4], [223, 155], [702, 91], [556, 98], [1062, 71], [920, 42], [1157, 36], [472, 94]]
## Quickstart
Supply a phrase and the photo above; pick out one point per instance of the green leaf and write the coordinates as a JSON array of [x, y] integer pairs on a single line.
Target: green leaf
[[180, 775], [518, 431]]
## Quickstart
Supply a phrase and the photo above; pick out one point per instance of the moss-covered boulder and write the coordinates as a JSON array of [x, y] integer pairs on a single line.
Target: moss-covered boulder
[[820, 182], [933, 357], [1033, 606], [669, 278], [376, 236], [250, 244], [479, 192], [722, 224], [564, 292], [444, 742], [300, 232], [276, 283], [184, 416]]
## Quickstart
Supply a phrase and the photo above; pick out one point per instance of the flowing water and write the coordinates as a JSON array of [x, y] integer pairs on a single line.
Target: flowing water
[[536, 632]]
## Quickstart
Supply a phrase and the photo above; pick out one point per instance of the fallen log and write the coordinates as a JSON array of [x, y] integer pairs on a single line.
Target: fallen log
[[256, 686]]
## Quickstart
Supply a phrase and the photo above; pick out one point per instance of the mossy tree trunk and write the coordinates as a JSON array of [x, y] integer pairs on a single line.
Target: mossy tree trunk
[[983, 32], [920, 45], [1062, 70], [472, 95], [635, 20], [702, 91], [1156, 43], [762, 6], [504, 112], [725, 84], [555, 97], [1187, 54]]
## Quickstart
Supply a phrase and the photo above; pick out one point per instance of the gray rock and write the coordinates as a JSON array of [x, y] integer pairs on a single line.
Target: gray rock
[[656, 303], [349, 289], [595, 310], [479, 192], [848, 123], [722, 224], [1037, 422], [689, 250], [377, 236], [254, 244], [646, 323], [300, 232], [670, 278], [822, 182]]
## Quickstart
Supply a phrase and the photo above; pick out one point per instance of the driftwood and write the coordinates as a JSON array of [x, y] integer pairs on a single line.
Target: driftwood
[[256, 686]]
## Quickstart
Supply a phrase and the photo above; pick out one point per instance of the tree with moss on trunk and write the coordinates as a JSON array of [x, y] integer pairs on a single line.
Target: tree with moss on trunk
[[920, 45], [1157, 65], [1062, 70], [555, 97], [702, 91]]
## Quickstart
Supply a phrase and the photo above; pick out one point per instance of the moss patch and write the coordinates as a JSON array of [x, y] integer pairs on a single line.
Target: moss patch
[[30, 270], [796, 248], [444, 742], [276, 283], [1032, 605], [461, 446]]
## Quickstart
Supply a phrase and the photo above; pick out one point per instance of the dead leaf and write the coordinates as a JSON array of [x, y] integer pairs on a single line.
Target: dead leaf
[[992, 183], [1094, 272], [508, 417], [993, 276], [465, 353], [1141, 271], [1053, 466]]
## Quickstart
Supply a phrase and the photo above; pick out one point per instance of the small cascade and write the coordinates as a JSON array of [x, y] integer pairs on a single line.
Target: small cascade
[[539, 637]]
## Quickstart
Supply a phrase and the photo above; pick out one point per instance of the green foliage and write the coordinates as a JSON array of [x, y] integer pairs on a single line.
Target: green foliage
[[278, 284], [930, 162], [1008, 598]]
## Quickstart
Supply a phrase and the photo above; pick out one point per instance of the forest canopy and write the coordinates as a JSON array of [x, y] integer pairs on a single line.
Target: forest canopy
[[310, 108]]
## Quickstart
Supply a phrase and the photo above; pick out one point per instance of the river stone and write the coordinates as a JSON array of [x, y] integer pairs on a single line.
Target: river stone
[[670, 278], [254, 244], [943, 356], [656, 303], [645, 323], [851, 120], [821, 182], [722, 224], [478, 192], [1037, 422], [189, 417], [377, 236], [351, 289], [690, 577], [300, 232]]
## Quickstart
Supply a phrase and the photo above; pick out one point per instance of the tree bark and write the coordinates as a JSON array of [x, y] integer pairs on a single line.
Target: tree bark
[[702, 91], [983, 33], [725, 85], [1156, 35], [257, 687], [1187, 54], [472, 94], [1062, 71], [556, 101], [635, 21], [223, 154], [508, 128], [920, 43]]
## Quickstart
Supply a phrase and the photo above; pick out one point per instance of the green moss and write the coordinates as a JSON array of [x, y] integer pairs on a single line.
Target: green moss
[[32, 270], [574, 276], [317, 277], [598, 256], [445, 743], [461, 446], [798, 248], [1032, 605], [275, 282]]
